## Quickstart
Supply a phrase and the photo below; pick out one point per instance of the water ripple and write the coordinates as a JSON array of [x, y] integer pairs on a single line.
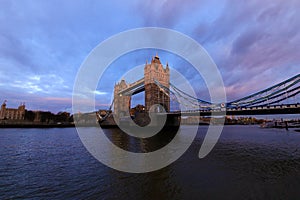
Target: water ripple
[[246, 163]]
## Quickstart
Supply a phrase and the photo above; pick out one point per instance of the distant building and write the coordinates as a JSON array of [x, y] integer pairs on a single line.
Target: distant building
[[12, 113], [43, 116], [48, 117], [21, 115], [86, 118], [137, 108]]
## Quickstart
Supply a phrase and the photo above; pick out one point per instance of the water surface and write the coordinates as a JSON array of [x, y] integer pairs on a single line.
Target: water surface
[[247, 163]]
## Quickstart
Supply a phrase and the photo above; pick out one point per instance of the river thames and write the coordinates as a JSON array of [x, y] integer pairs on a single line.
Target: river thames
[[247, 163]]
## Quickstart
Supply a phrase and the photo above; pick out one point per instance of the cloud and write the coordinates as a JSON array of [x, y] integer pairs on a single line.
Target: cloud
[[45, 84], [100, 92], [255, 44], [245, 41], [165, 13]]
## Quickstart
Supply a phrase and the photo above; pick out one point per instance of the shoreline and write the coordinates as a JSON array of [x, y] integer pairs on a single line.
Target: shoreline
[[106, 126], [53, 126], [36, 125]]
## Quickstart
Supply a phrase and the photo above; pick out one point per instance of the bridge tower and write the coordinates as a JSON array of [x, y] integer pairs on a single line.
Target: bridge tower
[[153, 94], [121, 102]]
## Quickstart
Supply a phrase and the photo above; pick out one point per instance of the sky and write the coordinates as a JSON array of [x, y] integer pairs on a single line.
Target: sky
[[255, 44]]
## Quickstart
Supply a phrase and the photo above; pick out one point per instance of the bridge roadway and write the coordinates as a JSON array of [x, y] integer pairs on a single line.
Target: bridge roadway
[[133, 88], [257, 110]]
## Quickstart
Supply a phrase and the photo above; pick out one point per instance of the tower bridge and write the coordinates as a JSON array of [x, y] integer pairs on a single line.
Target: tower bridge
[[153, 71], [159, 91]]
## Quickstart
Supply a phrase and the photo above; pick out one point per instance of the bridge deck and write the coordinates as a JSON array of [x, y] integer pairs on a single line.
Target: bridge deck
[[259, 110], [133, 88]]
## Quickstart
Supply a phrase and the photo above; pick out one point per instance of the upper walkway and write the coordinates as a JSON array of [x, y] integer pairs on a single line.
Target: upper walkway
[[133, 88]]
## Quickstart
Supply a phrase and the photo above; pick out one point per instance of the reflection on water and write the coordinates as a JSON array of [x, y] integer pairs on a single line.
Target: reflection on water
[[134, 144], [247, 162]]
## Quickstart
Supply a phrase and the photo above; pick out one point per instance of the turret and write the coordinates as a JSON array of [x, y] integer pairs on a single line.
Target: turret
[[22, 106], [3, 106]]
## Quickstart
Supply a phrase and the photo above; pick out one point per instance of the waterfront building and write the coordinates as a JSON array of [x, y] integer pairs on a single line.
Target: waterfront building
[[12, 113]]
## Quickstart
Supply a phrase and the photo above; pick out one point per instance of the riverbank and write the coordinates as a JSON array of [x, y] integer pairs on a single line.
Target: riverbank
[[35, 125]]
